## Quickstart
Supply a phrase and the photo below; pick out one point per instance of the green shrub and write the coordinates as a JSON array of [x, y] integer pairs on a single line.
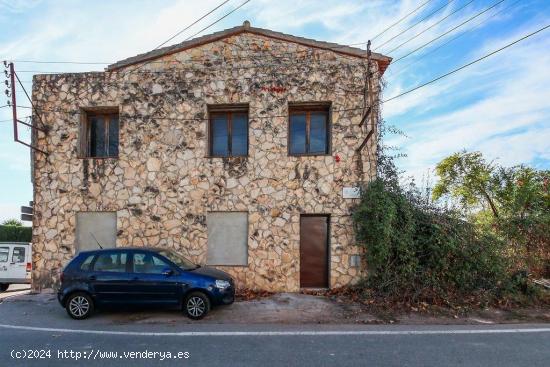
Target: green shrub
[[9, 233], [415, 250]]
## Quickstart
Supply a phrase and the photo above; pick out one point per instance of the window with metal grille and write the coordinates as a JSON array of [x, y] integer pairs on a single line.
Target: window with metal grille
[[309, 131], [100, 135], [228, 131]]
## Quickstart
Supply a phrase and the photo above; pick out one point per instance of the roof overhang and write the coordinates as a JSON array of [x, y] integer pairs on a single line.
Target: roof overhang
[[382, 60]]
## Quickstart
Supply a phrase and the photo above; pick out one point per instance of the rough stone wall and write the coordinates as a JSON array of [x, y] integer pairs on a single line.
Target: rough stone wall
[[163, 183]]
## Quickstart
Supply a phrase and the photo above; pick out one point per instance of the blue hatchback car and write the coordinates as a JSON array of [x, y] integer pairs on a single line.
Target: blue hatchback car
[[141, 276]]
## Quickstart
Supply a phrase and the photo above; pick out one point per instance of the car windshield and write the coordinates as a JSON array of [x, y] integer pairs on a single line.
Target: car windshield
[[179, 260]]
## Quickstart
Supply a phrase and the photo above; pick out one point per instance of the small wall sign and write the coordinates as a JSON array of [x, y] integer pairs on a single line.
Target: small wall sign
[[351, 192]]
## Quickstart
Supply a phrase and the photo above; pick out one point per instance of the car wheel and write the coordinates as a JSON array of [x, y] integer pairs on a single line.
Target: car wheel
[[4, 287], [196, 305], [79, 306]]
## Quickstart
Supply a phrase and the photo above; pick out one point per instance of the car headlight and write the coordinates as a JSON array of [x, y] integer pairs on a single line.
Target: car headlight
[[222, 284]]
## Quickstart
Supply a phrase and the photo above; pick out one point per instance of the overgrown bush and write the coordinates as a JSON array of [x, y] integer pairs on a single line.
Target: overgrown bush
[[415, 250], [10, 233]]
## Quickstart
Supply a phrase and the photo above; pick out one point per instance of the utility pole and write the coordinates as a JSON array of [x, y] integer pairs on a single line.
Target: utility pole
[[368, 111], [13, 101], [13, 78]]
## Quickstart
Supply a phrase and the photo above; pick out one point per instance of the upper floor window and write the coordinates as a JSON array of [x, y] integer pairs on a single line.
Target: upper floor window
[[100, 135], [228, 131], [309, 132]]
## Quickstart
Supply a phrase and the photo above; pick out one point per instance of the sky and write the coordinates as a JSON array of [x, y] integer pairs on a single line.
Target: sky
[[499, 106]]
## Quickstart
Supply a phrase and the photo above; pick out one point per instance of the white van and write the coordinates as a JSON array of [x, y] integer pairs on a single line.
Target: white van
[[15, 263]]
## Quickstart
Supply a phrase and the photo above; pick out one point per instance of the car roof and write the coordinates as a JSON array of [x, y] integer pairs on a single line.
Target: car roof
[[151, 249], [14, 243]]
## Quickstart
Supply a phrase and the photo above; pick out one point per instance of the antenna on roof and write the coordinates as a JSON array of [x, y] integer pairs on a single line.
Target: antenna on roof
[[101, 247]]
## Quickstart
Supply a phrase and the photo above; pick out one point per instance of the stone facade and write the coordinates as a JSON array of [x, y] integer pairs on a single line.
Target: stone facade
[[163, 183]]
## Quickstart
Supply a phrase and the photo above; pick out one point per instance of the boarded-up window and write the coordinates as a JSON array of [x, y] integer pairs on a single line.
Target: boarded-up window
[[227, 238], [94, 227]]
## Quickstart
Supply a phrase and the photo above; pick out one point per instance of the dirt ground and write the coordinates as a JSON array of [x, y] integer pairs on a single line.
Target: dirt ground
[[282, 308]]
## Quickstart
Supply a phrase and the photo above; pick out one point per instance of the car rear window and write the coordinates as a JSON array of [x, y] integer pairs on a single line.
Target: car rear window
[[18, 255], [86, 264]]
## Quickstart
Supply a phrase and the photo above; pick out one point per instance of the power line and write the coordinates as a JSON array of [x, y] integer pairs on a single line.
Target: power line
[[145, 63], [198, 62], [430, 27], [415, 24], [11, 120], [106, 63], [176, 118], [449, 31], [171, 73], [400, 20], [192, 24], [340, 110], [281, 55], [218, 20], [241, 79], [210, 77], [466, 65], [211, 62], [454, 38]]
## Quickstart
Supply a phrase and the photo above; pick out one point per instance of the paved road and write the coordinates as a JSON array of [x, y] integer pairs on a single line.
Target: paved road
[[38, 323], [272, 345]]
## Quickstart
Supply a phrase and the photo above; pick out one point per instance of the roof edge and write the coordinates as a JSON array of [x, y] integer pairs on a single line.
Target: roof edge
[[383, 61]]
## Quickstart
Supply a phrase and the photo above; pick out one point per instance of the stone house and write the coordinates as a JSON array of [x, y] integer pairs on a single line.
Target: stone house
[[237, 149]]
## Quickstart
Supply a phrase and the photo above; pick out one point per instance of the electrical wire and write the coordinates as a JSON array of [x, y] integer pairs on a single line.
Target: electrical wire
[[415, 24], [175, 118], [430, 27], [400, 20], [468, 64], [171, 73], [356, 108], [452, 39], [449, 31], [218, 20], [192, 24]]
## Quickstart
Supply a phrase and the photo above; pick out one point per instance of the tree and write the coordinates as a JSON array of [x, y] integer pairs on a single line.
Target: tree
[[468, 178], [514, 202], [12, 222]]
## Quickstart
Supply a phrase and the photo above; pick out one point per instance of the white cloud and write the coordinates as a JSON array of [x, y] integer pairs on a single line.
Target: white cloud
[[17, 6]]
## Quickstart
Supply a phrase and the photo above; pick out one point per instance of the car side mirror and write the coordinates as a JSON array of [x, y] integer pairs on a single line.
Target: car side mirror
[[168, 272]]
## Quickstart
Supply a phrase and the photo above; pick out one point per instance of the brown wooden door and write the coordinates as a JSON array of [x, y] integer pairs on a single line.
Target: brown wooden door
[[314, 251]]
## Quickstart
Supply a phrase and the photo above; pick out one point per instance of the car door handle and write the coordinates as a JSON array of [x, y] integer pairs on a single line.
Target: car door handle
[[92, 277]]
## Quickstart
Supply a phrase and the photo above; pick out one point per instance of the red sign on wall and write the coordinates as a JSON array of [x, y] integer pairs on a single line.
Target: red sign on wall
[[274, 89]]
